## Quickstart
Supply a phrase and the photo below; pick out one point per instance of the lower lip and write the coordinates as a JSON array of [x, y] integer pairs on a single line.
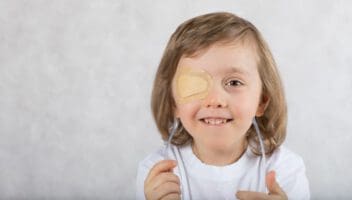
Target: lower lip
[[216, 125]]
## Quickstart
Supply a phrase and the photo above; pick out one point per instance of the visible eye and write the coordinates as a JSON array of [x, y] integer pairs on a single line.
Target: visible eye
[[234, 83]]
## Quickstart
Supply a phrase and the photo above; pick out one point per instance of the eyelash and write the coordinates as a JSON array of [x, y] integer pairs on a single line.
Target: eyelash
[[237, 83]]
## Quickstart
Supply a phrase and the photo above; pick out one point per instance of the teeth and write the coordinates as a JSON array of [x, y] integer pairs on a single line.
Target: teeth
[[215, 121]]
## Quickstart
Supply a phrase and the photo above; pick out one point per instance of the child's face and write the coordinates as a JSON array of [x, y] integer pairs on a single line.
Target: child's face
[[226, 94]]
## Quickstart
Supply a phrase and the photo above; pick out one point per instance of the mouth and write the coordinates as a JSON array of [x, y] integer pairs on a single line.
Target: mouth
[[215, 121]]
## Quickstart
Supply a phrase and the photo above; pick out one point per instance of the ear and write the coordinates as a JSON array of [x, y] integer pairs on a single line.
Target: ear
[[262, 105]]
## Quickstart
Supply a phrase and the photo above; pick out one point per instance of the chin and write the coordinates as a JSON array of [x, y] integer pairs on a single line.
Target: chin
[[219, 144], [222, 143]]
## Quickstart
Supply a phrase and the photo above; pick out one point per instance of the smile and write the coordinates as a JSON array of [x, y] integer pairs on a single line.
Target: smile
[[215, 121]]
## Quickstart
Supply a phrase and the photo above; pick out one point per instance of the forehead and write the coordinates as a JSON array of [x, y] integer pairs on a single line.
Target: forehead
[[239, 57]]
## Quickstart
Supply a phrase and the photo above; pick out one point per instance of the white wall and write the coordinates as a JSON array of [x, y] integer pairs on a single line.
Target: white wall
[[76, 77]]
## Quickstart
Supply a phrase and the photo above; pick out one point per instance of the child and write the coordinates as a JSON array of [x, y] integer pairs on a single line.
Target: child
[[216, 83]]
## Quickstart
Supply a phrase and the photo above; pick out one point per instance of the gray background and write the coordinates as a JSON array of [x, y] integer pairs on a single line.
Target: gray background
[[76, 77]]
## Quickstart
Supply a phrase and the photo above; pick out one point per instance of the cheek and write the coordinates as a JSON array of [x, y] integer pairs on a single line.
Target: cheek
[[244, 106], [186, 111], [187, 114]]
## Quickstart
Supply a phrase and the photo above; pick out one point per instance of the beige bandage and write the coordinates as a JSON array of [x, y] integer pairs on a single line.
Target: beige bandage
[[191, 84]]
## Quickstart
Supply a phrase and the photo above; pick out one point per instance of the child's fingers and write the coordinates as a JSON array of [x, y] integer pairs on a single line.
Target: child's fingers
[[275, 191], [167, 188], [172, 196], [160, 181], [273, 185], [247, 195], [165, 177], [162, 166]]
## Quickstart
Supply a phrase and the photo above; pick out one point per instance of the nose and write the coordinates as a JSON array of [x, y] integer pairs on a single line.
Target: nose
[[215, 99]]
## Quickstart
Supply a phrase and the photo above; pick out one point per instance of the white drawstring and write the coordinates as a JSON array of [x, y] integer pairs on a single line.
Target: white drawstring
[[173, 130], [262, 183]]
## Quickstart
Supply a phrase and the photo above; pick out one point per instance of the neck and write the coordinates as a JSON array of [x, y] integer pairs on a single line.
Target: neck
[[219, 157]]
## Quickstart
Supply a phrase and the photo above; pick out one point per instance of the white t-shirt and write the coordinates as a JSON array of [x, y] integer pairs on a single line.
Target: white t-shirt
[[202, 181]]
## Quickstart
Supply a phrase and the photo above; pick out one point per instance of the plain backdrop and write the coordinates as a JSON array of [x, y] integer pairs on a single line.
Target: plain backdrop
[[76, 78]]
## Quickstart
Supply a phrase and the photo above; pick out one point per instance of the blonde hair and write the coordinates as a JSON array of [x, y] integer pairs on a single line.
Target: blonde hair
[[198, 34]]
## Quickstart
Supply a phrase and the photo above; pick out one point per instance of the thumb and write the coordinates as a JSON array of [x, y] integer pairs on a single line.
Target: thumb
[[273, 186]]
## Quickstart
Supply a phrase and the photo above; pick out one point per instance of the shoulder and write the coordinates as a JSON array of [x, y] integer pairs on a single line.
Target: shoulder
[[283, 157], [291, 172], [152, 158]]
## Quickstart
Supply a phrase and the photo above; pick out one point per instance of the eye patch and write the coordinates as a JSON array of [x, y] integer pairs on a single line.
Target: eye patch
[[192, 84]]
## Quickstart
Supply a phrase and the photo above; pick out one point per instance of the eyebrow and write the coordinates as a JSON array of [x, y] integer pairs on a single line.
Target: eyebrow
[[235, 69]]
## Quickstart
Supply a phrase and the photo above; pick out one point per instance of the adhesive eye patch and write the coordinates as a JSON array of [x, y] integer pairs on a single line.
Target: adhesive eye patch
[[192, 84]]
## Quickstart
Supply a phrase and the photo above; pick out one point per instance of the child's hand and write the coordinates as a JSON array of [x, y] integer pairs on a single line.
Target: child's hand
[[161, 183], [275, 191]]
